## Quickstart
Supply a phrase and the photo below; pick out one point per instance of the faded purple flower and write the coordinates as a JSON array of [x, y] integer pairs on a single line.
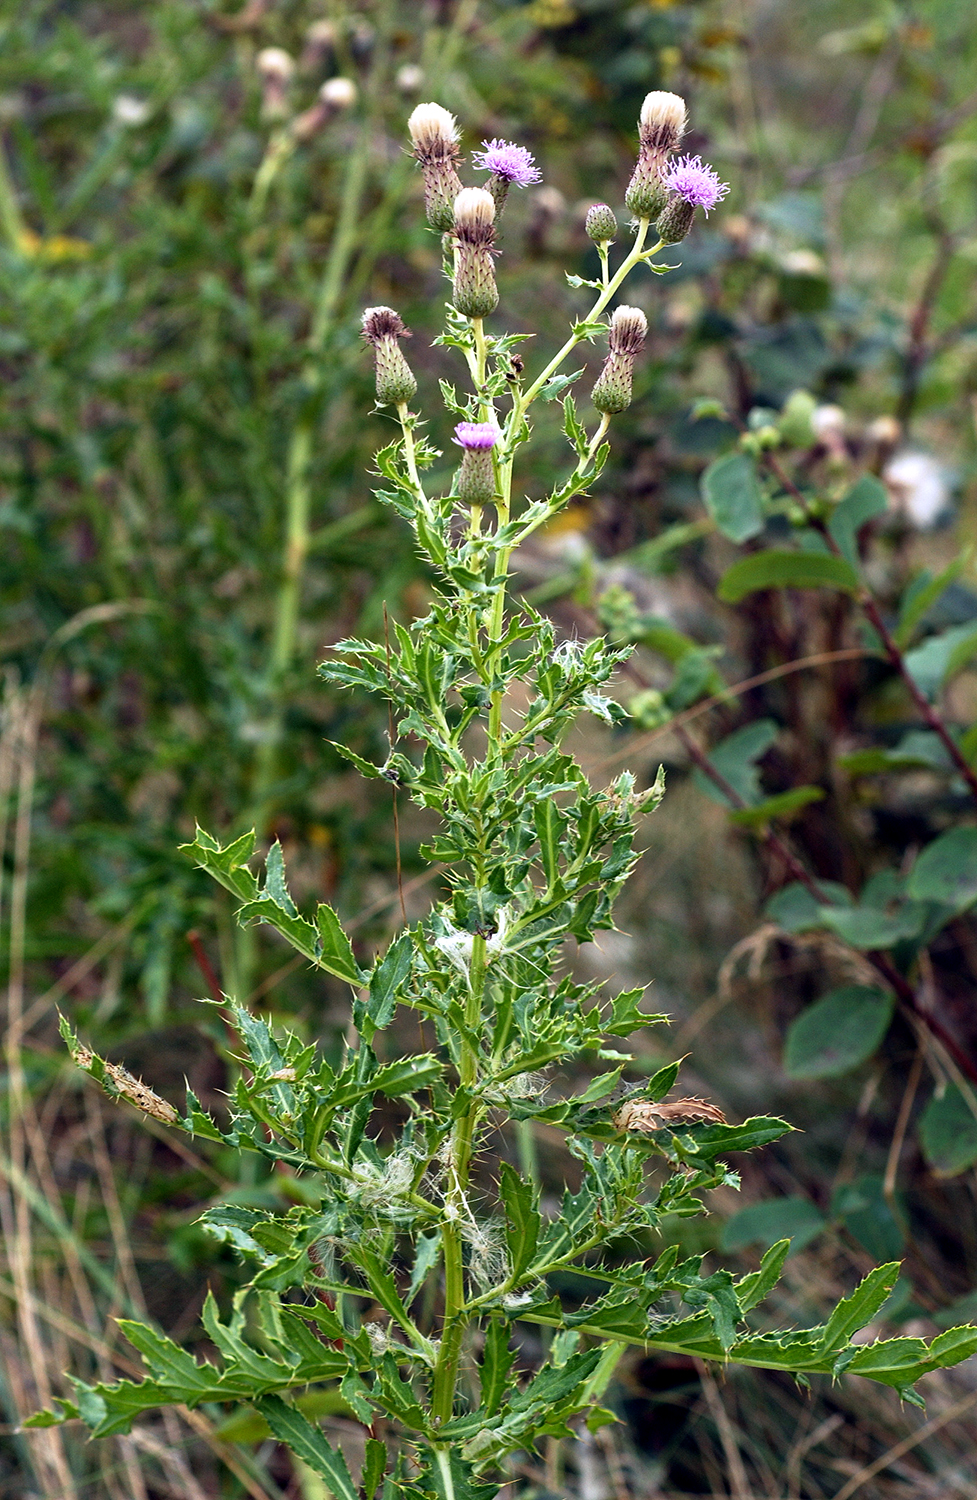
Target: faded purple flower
[[476, 435], [508, 161], [695, 183]]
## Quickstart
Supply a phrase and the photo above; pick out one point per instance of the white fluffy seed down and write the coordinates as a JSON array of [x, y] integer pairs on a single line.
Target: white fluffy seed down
[[434, 132], [628, 329], [474, 213], [338, 92], [662, 121], [274, 65]]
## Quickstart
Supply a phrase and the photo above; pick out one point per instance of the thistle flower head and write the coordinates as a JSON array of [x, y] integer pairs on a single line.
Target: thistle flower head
[[476, 436], [476, 478], [662, 122], [383, 323], [475, 216], [382, 327], [506, 160], [627, 332], [434, 132], [695, 183]]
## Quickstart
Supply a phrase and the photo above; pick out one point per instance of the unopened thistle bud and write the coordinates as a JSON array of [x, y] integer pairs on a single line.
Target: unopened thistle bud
[[612, 393], [476, 482], [660, 131], [382, 327], [475, 292], [690, 185], [434, 133], [275, 68], [601, 223], [508, 164]]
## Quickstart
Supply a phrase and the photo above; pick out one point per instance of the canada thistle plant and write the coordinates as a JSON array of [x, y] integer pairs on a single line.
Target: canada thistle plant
[[396, 1279]]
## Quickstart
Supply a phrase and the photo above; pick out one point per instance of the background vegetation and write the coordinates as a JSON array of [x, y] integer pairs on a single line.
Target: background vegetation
[[187, 526]]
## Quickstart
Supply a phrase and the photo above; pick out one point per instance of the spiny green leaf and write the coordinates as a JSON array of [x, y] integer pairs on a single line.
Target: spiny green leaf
[[497, 1361], [290, 1427], [522, 1218], [336, 954], [854, 1312]]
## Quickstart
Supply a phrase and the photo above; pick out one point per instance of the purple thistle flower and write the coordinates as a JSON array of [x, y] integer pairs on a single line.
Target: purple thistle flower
[[508, 161], [695, 183], [476, 435]]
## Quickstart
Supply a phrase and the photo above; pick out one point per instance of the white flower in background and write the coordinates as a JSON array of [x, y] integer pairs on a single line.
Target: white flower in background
[[802, 263], [128, 110], [918, 486], [409, 78], [829, 428]]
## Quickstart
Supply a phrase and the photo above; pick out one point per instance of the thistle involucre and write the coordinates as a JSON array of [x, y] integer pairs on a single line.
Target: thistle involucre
[[434, 133], [626, 337], [475, 292], [601, 223], [476, 482], [660, 131], [382, 327]]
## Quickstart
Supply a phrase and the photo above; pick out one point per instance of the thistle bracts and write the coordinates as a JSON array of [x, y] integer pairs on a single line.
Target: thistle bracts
[[476, 480], [612, 393], [382, 327], [601, 223], [434, 133], [660, 130], [475, 292]]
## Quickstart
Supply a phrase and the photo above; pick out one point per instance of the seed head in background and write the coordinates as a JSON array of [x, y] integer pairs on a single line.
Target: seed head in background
[[475, 293], [661, 127], [275, 69], [508, 164], [625, 340], [690, 185], [382, 327], [434, 133], [335, 95]]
